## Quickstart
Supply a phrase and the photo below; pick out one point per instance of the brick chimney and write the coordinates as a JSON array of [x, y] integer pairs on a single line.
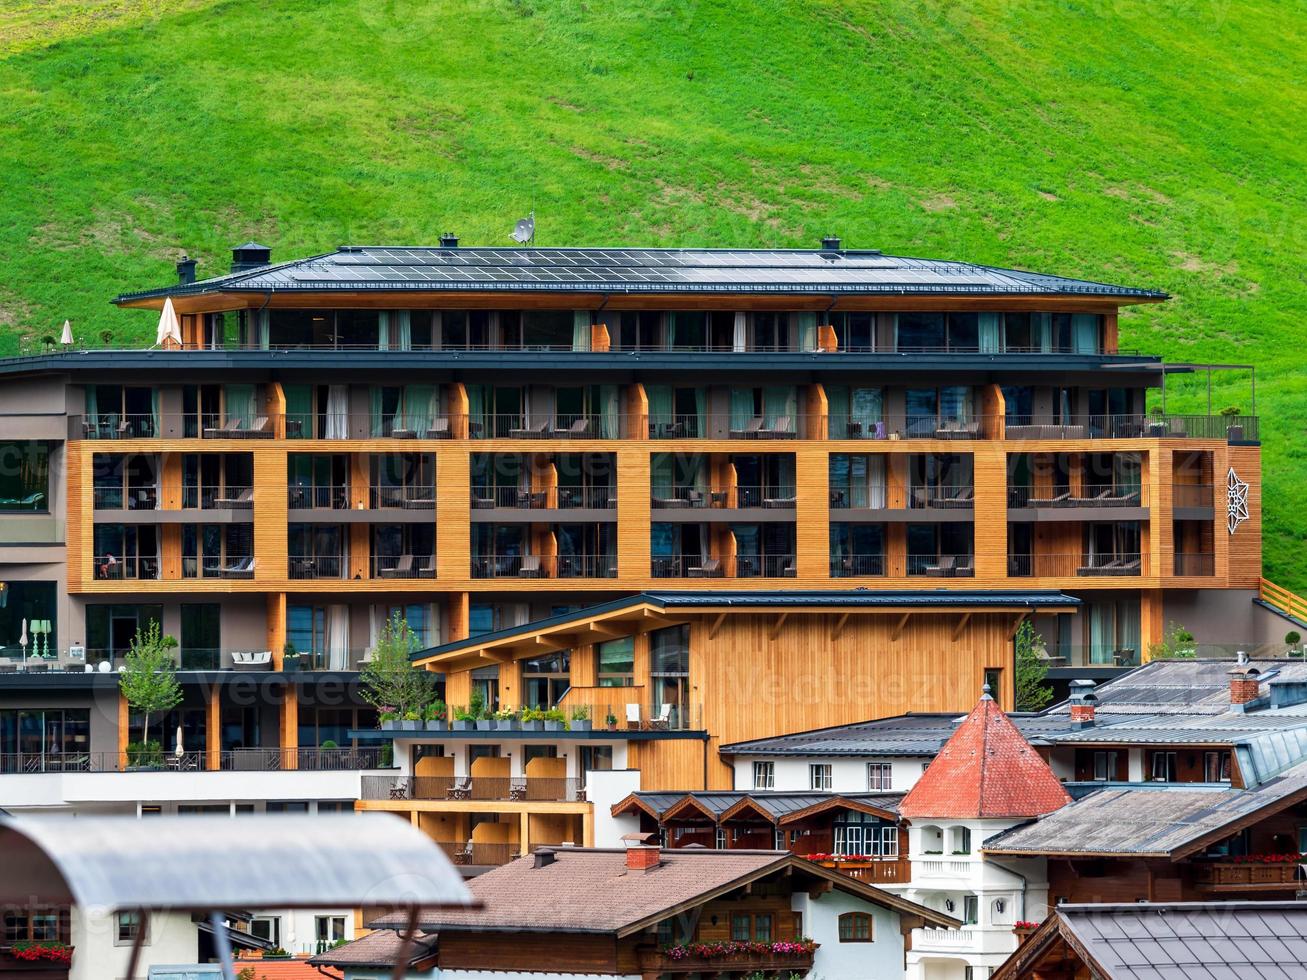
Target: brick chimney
[[640, 854], [1083, 703], [1245, 685]]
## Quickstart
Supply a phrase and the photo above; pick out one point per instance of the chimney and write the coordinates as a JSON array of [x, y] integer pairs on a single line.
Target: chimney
[[640, 854], [1084, 703], [544, 856], [1245, 682], [249, 256], [449, 240], [830, 243], [186, 270]]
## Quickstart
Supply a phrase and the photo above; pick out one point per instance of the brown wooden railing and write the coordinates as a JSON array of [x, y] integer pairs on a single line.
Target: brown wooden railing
[[1289, 603]]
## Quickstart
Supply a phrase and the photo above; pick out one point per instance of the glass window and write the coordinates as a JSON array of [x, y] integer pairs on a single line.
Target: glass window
[[1216, 767], [879, 776], [329, 928], [740, 932], [669, 672], [617, 662], [762, 928], [1104, 765], [819, 776], [128, 927], [24, 476], [764, 775], [546, 679], [970, 910], [855, 927], [921, 332], [1164, 768]]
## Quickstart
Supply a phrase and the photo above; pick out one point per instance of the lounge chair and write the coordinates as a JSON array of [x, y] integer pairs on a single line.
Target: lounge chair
[[1096, 499], [228, 431], [964, 568], [712, 568], [695, 498], [778, 503], [943, 569], [403, 568], [424, 502], [664, 719], [669, 503], [632, 716], [482, 503], [402, 432], [242, 501], [540, 430], [960, 498], [750, 431], [1058, 501], [460, 789], [242, 568], [439, 429], [954, 429], [30, 502], [783, 429], [1102, 568], [580, 429], [530, 567]]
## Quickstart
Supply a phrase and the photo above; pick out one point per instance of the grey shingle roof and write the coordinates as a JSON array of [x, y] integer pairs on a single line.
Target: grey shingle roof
[[777, 804], [1153, 821], [642, 270], [1184, 686], [376, 949], [1199, 941]]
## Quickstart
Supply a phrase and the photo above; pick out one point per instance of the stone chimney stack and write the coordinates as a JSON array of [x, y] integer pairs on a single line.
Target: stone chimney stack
[[1245, 684], [1083, 703]]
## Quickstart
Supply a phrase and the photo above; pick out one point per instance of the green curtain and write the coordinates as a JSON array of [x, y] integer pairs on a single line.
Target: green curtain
[[261, 328], [1101, 638], [610, 423], [837, 405], [1084, 333], [476, 408], [778, 401], [661, 406], [92, 406], [240, 404], [700, 413], [378, 427], [1126, 475], [741, 408], [581, 330], [838, 537], [154, 412], [383, 330], [991, 333], [866, 408], [808, 331], [299, 408], [1041, 331], [417, 408], [662, 475], [1127, 627], [404, 328]]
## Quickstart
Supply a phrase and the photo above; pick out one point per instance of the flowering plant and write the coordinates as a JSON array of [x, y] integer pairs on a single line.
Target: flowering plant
[[841, 857], [721, 948], [1291, 858], [1025, 924], [42, 952]]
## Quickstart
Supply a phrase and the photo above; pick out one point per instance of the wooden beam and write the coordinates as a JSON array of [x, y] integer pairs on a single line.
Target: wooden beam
[[1016, 624], [716, 625], [603, 632], [819, 889], [498, 656], [838, 628], [962, 624], [898, 627], [776, 625]]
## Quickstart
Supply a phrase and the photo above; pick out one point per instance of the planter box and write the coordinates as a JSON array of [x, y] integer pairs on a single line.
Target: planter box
[[581, 724], [460, 726], [410, 726], [484, 725], [506, 724], [553, 726], [533, 726], [437, 726], [390, 726]]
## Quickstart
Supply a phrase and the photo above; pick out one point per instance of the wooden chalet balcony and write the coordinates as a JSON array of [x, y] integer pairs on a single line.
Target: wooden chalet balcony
[[1231, 876], [874, 871], [783, 964]]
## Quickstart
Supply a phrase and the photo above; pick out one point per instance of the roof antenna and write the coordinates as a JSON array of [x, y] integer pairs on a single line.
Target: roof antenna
[[524, 232]]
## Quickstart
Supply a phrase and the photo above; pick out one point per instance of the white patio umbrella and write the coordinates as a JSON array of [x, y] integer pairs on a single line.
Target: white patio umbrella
[[170, 328], [66, 338], [22, 642], [179, 751]]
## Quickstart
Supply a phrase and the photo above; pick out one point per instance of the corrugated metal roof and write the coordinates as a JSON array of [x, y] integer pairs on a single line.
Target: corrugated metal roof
[[1196, 941], [1147, 821], [641, 270]]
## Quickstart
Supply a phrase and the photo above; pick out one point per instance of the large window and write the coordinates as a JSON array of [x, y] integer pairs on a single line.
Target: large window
[[858, 833], [44, 739], [36, 924], [24, 476], [879, 777], [546, 679], [819, 776], [617, 662], [764, 775], [856, 927], [110, 629], [669, 673], [34, 602]]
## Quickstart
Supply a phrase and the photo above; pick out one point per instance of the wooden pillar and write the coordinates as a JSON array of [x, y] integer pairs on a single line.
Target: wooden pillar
[[277, 628], [457, 408], [458, 688], [124, 732], [812, 513], [360, 479], [1110, 334], [360, 552], [170, 550], [585, 668], [271, 527], [634, 516], [637, 412], [290, 727], [457, 610], [816, 413], [213, 731], [524, 835], [1151, 620], [170, 482], [990, 478], [599, 339], [588, 827], [454, 515], [276, 408]]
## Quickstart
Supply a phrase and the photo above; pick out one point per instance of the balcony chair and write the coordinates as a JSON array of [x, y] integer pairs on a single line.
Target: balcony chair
[[779, 503], [400, 430], [460, 789], [955, 429], [712, 568], [959, 498], [750, 431], [30, 502], [540, 430], [943, 569], [664, 719], [230, 430], [260, 428], [425, 502], [1096, 500], [439, 429], [782, 429], [964, 568], [242, 568], [530, 567], [632, 716], [1110, 499], [695, 498], [403, 568], [580, 429], [242, 501], [1059, 501], [669, 503], [482, 503]]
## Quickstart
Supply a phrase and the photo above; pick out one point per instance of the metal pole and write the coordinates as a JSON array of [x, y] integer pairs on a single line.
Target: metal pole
[[223, 943], [1253, 386], [142, 926], [1209, 391], [406, 945]]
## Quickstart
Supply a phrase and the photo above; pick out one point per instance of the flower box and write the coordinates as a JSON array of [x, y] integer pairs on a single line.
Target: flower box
[[460, 725], [438, 726], [533, 726], [506, 724], [581, 724], [485, 725]]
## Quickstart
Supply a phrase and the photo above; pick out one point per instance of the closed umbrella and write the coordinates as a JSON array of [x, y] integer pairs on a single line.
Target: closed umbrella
[[66, 338], [170, 328], [179, 751]]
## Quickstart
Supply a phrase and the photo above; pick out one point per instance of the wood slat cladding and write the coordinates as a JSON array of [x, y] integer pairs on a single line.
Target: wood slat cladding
[[677, 765], [990, 478], [1245, 545]]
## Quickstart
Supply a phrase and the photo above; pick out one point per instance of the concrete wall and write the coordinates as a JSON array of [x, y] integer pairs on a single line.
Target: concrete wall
[[1227, 617]]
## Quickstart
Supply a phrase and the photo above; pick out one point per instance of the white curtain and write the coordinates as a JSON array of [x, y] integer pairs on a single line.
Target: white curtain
[[337, 412], [337, 639], [740, 334]]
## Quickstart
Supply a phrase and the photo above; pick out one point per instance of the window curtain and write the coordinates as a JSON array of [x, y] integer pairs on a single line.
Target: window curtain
[[875, 482], [299, 408], [955, 403], [610, 422], [383, 330], [378, 427], [1126, 473], [866, 408], [338, 412], [240, 404], [337, 639], [1084, 333], [1041, 331], [403, 335], [1101, 638], [92, 406], [581, 330], [740, 335], [261, 318], [437, 330], [741, 408], [476, 408], [697, 470], [662, 475], [1127, 627], [837, 404], [991, 333], [661, 407], [154, 412], [777, 403], [807, 331], [418, 400], [701, 412], [839, 534]]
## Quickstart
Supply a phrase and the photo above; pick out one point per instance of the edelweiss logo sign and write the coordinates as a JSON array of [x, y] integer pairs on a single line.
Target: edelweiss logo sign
[[1236, 497]]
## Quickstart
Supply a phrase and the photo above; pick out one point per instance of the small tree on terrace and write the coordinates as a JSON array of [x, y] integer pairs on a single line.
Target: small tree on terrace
[[148, 679], [1031, 670], [390, 681]]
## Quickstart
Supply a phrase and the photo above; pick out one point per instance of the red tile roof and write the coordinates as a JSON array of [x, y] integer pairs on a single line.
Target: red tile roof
[[985, 769], [296, 969]]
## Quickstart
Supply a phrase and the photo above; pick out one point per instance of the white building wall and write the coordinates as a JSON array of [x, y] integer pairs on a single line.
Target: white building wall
[[880, 959], [604, 789], [172, 938], [847, 775]]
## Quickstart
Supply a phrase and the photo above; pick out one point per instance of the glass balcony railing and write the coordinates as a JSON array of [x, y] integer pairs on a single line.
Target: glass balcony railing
[[739, 566], [767, 497], [1076, 565]]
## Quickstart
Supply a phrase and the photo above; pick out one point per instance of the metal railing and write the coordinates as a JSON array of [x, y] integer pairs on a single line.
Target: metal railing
[[214, 566], [111, 568], [217, 498], [1091, 495], [318, 566], [545, 789], [239, 760], [936, 426], [125, 498], [402, 497], [941, 497], [677, 426], [750, 566], [402, 566], [769, 497], [852, 566], [331, 497], [1242, 428], [1075, 565], [544, 566], [1190, 563]]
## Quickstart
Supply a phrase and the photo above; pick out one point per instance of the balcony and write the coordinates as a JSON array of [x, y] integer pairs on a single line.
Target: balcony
[[872, 870], [1091, 496], [747, 962], [328, 497], [1243, 428], [1250, 875], [402, 498], [226, 760], [318, 566], [402, 566], [752, 566], [118, 498], [557, 498], [544, 566], [1123, 564], [476, 854], [855, 566], [540, 789], [946, 939], [195, 497], [117, 568], [735, 498]]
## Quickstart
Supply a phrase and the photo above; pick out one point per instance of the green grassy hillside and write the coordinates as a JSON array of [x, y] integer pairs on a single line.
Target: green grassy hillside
[[1149, 144]]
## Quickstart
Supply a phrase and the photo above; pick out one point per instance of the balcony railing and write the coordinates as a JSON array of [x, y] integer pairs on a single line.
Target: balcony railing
[[742, 964], [318, 498], [239, 760], [751, 566], [875, 871], [561, 498], [1243, 876], [1189, 563], [853, 566], [1243, 428], [231, 497], [112, 568], [125, 498], [1072, 565], [402, 566], [402, 498], [214, 566], [1092, 495], [544, 789], [767, 497], [474, 854], [318, 566], [544, 566]]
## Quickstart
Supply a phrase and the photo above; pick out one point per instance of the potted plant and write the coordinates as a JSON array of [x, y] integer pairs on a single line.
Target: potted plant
[[290, 662], [276, 953], [580, 719], [480, 715], [144, 755], [389, 720], [1291, 640], [434, 716], [464, 720], [1024, 929], [506, 720], [412, 721], [532, 719], [555, 720], [611, 722], [1233, 429]]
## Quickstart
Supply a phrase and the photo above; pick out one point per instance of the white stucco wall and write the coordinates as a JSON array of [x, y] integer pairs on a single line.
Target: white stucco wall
[[172, 939], [603, 789], [880, 959], [847, 775]]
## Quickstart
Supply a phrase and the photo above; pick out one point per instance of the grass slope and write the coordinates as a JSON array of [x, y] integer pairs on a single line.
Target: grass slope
[[1147, 144]]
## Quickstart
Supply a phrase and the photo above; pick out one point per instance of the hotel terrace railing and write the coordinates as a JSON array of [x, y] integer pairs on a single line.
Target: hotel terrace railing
[[217, 498], [544, 789], [402, 566], [544, 566], [112, 568], [215, 566], [768, 497], [899, 566], [752, 566], [1072, 565], [318, 566], [327, 497], [238, 760], [337, 497], [560, 498], [1092, 495], [563, 426], [402, 498]]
